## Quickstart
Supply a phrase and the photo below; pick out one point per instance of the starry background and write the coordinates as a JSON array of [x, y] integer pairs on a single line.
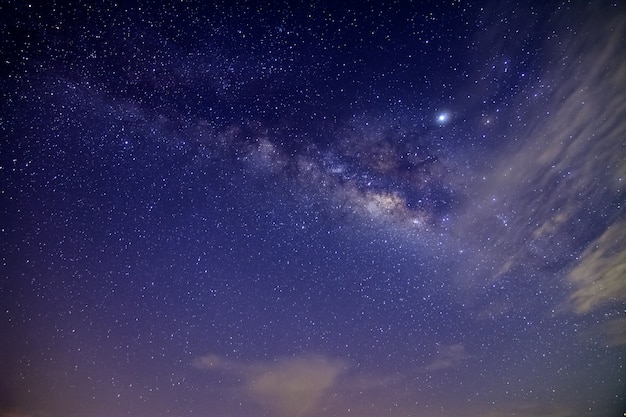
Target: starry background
[[306, 210]]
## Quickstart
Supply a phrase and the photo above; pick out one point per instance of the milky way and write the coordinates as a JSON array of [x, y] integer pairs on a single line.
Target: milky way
[[246, 209]]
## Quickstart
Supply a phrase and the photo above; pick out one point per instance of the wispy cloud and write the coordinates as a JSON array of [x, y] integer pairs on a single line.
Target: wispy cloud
[[600, 276], [535, 209], [293, 387], [447, 357], [289, 387]]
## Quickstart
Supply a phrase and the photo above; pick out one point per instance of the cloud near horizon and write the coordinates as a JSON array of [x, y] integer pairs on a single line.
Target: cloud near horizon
[[289, 387]]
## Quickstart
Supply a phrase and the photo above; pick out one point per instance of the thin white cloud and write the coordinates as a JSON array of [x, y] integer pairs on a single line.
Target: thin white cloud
[[288, 387], [449, 356], [600, 276], [564, 182], [294, 386]]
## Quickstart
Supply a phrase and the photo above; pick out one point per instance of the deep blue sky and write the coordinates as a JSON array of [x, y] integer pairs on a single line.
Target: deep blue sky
[[312, 210]]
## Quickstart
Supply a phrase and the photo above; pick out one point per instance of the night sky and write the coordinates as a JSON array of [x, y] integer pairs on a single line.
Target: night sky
[[317, 209]]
